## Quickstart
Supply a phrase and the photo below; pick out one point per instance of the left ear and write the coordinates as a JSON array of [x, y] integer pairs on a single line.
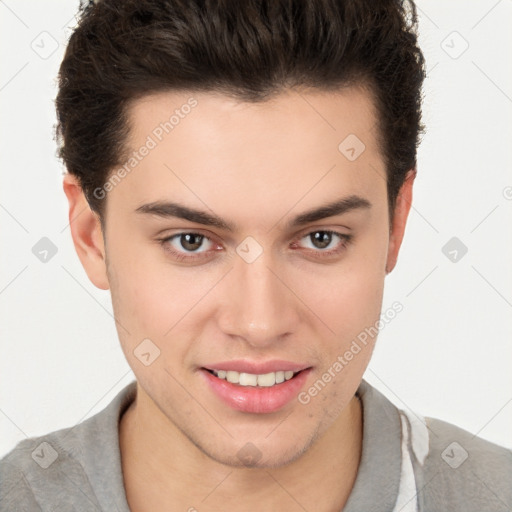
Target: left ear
[[402, 207]]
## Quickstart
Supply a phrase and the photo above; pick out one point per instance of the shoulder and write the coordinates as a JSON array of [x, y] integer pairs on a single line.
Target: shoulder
[[443, 467], [78, 466], [461, 471], [41, 470], [44, 472]]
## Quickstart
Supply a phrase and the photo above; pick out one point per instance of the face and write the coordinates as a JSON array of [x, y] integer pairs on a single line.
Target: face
[[224, 263]]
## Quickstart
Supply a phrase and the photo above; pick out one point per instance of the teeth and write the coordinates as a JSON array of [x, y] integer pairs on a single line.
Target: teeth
[[250, 379], [233, 377], [267, 379]]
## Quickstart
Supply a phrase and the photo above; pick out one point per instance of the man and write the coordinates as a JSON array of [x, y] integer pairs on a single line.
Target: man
[[240, 176]]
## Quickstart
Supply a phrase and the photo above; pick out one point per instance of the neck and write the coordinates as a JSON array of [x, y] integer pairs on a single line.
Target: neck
[[163, 470]]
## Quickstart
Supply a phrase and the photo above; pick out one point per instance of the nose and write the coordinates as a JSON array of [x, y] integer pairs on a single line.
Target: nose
[[259, 307]]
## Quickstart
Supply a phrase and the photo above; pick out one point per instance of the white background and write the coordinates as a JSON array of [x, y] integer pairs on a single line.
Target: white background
[[448, 354]]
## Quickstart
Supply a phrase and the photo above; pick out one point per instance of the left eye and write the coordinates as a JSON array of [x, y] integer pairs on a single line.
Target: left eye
[[324, 239]]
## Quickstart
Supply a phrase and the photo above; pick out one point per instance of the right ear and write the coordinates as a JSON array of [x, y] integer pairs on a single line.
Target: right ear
[[86, 232]]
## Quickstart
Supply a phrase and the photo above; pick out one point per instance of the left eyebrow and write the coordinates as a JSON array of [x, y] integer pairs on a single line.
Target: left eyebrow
[[339, 207], [166, 209]]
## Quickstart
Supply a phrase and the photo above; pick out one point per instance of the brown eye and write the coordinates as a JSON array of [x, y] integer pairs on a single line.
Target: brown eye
[[187, 244], [191, 241], [321, 239], [324, 243]]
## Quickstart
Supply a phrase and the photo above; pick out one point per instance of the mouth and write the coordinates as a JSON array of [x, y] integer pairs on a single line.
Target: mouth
[[255, 392], [262, 380]]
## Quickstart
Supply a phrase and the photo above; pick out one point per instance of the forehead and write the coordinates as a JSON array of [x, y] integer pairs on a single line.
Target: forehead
[[207, 147], [213, 116]]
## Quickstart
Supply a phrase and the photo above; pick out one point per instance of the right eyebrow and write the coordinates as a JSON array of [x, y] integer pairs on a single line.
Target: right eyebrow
[[167, 209]]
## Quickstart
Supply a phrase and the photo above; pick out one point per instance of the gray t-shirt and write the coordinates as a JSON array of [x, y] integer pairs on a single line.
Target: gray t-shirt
[[408, 464]]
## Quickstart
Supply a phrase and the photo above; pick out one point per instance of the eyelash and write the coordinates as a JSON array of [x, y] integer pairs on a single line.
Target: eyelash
[[181, 256]]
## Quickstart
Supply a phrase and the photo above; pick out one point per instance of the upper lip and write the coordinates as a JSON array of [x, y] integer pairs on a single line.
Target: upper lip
[[256, 367]]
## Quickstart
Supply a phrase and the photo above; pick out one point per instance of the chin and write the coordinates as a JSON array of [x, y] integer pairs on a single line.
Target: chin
[[258, 454]]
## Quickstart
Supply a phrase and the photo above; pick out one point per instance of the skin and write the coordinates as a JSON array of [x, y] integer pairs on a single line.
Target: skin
[[257, 166]]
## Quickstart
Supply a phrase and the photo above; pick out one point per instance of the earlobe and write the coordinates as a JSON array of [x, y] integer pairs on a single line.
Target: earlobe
[[86, 232], [402, 207]]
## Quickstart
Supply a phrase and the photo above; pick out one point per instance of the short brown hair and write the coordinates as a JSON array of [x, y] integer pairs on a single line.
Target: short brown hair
[[122, 50]]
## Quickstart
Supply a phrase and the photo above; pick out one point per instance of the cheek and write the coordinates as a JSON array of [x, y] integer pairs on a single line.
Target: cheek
[[345, 313], [349, 304], [347, 296], [151, 297], [139, 291]]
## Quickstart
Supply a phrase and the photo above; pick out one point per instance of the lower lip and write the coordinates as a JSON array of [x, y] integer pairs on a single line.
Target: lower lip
[[256, 399]]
